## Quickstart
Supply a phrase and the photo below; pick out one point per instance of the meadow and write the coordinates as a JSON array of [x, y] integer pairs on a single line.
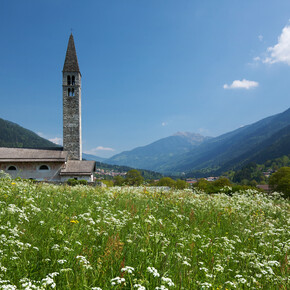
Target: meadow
[[84, 237]]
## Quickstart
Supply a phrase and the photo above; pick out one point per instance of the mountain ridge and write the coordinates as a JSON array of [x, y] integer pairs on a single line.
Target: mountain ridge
[[219, 150], [219, 153], [158, 152]]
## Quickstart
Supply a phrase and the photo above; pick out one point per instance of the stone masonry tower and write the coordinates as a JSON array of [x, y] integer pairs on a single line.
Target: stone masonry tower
[[71, 84]]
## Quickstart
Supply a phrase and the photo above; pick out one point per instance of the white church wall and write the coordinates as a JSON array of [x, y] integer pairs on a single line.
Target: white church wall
[[32, 170]]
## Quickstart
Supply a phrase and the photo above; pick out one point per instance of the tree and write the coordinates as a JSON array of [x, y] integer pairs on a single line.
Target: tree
[[245, 182], [166, 181], [280, 181], [202, 184], [253, 183], [181, 184], [285, 160], [221, 182], [119, 180], [134, 177]]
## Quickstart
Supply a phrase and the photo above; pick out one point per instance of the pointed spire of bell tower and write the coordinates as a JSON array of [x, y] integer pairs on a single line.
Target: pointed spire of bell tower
[[71, 61]]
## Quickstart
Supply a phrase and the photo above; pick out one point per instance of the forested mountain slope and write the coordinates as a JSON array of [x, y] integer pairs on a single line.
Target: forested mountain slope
[[13, 135], [154, 155], [217, 152]]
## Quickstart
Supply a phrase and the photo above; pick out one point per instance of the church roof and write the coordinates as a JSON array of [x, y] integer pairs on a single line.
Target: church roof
[[78, 167], [31, 155], [71, 61]]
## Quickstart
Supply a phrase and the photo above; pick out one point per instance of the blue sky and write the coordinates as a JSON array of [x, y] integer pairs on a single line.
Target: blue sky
[[149, 68]]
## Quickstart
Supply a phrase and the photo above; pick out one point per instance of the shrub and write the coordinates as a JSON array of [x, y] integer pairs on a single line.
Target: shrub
[[4, 175], [108, 183], [221, 185], [166, 181], [73, 182], [280, 181], [181, 184]]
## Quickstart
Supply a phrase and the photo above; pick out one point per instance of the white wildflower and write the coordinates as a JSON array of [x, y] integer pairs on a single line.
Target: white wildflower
[[2, 268], [231, 284], [117, 280], [205, 285], [55, 247], [218, 268], [139, 287], [84, 262], [65, 270], [128, 269], [161, 288], [8, 287], [153, 271], [167, 280], [48, 280], [273, 263], [242, 280], [54, 274]]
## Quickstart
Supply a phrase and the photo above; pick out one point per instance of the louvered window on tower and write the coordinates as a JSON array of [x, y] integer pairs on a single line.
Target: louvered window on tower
[[68, 80], [73, 80], [70, 92]]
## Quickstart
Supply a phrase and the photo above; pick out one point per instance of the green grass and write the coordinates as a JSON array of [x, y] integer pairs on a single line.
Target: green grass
[[83, 237]]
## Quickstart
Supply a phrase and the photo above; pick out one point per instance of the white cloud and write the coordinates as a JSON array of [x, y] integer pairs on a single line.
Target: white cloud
[[243, 84], [203, 131], [97, 150], [40, 134], [260, 37], [281, 51], [164, 124], [101, 148], [56, 140], [257, 58]]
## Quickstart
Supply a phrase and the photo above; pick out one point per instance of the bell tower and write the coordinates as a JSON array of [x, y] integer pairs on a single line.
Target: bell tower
[[71, 93]]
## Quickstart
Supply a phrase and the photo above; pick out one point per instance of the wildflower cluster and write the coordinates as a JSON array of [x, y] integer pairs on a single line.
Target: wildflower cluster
[[130, 238]]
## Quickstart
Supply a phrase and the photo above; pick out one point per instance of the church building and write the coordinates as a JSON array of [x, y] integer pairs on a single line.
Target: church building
[[57, 164]]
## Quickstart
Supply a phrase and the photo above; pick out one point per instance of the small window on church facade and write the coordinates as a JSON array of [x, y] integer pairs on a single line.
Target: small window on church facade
[[68, 80], [12, 168], [43, 167], [73, 80]]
